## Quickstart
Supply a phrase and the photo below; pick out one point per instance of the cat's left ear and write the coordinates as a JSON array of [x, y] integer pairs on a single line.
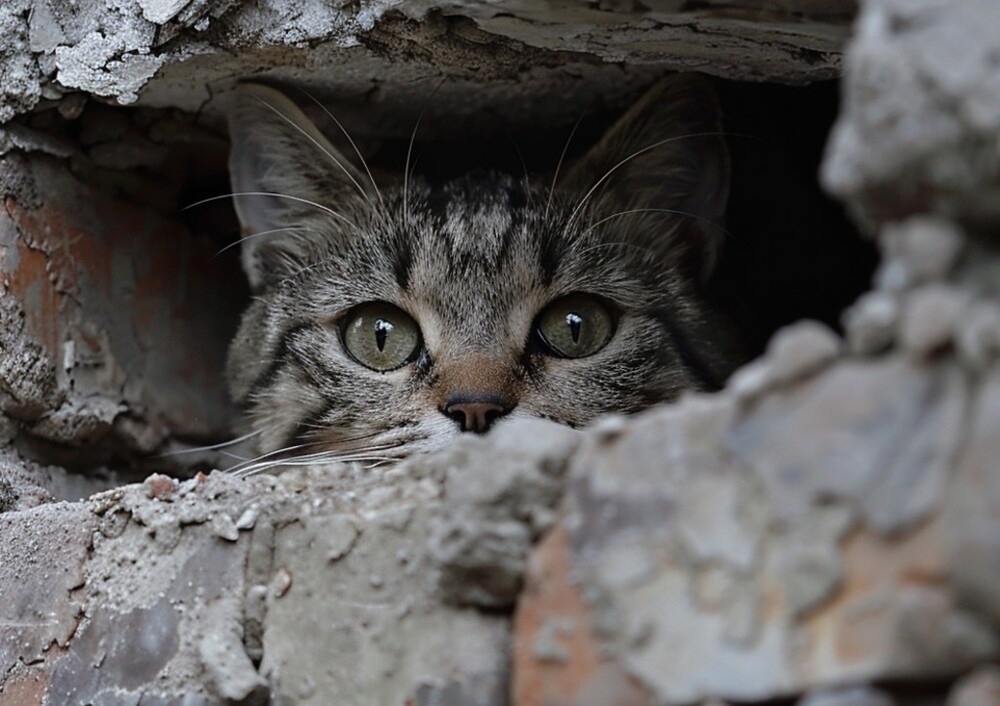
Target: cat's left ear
[[285, 174], [665, 157]]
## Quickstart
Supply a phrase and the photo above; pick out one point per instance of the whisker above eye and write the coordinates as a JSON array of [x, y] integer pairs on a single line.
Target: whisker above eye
[[524, 165], [562, 156], [590, 192], [272, 194], [347, 135], [322, 148], [706, 221], [409, 154], [615, 244], [241, 240]]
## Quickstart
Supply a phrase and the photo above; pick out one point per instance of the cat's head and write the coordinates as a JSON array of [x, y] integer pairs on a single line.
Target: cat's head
[[390, 319]]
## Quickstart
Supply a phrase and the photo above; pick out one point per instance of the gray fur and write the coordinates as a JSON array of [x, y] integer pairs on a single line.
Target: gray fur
[[473, 262]]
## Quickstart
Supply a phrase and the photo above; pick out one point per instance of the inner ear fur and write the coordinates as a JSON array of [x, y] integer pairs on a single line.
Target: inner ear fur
[[667, 152], [285, 174]]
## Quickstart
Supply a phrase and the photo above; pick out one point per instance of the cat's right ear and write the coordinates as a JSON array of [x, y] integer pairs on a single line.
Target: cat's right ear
[[665, 159], [284, 174]]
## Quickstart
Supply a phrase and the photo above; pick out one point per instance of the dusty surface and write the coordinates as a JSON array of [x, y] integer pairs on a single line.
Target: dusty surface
[[823, 530], [315, 582], [929, 144], [181, 53]]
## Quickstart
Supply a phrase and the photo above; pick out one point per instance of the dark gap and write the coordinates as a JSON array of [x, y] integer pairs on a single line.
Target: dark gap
[[794, 253]]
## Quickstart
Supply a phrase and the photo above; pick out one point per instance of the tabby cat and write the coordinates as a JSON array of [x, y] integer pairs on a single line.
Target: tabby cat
[[389, 320]]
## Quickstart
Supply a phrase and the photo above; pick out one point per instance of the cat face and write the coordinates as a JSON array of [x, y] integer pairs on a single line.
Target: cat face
[[389, 320]]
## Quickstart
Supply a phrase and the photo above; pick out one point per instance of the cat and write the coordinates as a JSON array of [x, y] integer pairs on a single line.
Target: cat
[[389, 320]]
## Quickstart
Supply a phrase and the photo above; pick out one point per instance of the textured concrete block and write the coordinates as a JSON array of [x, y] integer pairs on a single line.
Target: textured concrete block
[[750, 555], [115, 321]]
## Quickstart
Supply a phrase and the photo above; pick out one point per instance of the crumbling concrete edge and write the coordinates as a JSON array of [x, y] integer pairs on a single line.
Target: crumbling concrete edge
[[126, 51]]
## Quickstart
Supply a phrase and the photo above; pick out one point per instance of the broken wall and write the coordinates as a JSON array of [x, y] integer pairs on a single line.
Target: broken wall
[[825, 528]]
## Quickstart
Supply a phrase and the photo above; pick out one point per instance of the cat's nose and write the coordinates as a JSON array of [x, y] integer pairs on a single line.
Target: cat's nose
[[477, 413]]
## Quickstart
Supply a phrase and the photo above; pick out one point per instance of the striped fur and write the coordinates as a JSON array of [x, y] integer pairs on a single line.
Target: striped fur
[[473, 261]]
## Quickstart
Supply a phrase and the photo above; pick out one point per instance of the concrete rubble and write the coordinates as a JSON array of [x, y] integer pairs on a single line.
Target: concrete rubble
[[824, 531], [180, 53]]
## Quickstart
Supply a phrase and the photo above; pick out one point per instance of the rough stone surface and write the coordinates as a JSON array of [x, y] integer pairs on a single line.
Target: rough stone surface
[[921, 112], [315, 582], [171, 52], [786, 564], [930, 318], [27, 484], [42, 567], [801, 350], [75, 371], [870, 323], [979, 335], [974, 549], [980, 688], [924, 248], [482, 544]]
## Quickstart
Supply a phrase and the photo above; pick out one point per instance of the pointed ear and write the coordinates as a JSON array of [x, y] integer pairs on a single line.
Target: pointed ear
[[667, 152], [285, 175]]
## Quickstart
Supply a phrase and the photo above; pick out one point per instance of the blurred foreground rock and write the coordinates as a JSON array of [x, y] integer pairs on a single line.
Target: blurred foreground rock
[[833, 518]]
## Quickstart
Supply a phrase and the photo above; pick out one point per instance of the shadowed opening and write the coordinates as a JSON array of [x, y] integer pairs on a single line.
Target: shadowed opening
[[792, 253]]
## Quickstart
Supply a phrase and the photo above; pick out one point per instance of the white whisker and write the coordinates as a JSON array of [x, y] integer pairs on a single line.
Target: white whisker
[[524, 167], [322, 148], [239, 241], [406, 171], [286, 455], [707, 221], [614, 244], [347, 135], [562, 156], [269, 454], [365, 454], [660, 143], [409, 152], [272, 194]]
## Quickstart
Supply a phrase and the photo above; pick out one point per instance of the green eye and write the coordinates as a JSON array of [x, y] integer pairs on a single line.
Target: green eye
[[576, 325], [380, 336]]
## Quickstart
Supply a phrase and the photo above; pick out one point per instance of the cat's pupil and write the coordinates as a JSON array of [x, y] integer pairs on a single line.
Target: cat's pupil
[[575, 322], [382, 329]]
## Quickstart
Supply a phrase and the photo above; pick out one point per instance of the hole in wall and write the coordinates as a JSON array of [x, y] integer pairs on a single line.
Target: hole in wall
[[793, 253]]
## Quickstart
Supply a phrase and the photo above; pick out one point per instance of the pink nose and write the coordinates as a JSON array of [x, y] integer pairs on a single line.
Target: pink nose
[[477, 413]]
